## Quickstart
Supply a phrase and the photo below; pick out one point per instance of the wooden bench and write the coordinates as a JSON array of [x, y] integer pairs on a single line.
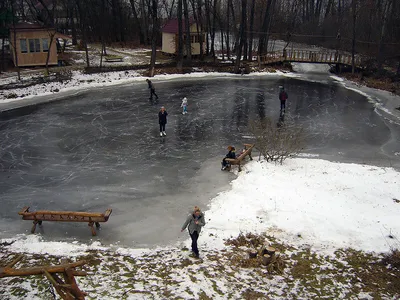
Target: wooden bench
[[238, 160], [65, 216], [113, 59]]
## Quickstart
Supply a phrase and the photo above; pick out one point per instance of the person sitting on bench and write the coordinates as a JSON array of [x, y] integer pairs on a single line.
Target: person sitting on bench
[[231, 154]]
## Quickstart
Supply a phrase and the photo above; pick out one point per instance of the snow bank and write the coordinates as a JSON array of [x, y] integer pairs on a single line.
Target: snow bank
[[323, 204]]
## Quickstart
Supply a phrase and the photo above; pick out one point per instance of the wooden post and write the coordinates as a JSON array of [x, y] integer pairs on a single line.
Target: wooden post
[[34, 226], [92, 228]]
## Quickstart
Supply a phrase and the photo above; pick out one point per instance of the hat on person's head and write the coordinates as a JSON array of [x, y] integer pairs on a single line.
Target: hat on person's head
[[184, 98], [281, 87], [147, 79]]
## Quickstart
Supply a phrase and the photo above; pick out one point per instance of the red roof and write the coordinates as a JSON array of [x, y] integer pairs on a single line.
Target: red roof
[[172, 26], [25, 26]]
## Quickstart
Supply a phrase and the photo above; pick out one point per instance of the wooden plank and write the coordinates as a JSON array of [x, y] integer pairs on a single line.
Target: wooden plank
[[25, 209], [64, 213], [107, 213], [8, 272]]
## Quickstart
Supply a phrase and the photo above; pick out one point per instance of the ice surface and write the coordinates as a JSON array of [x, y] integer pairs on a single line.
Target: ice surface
[[100, 148]]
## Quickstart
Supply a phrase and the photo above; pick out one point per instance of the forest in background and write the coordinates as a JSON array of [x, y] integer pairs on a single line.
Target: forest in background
[[244, 28]]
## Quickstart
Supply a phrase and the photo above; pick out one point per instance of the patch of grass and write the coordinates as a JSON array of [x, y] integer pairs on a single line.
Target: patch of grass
[[250, 294], [203, 296]]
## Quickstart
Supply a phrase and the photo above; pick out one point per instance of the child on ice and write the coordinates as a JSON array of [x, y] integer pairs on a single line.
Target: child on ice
[[184, 106]]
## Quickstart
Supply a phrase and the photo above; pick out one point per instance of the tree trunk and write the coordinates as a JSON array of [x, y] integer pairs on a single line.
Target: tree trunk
[[214, 25], [245, 44], [381, 45], [15, 43], [144, 22], [353, 43], [154, 38], [262, 44], [180, 37], [51, 35], [137, 22], [208, 22], [253, 5], [2, 55], [241, 41], [188, 37], [228, 54]]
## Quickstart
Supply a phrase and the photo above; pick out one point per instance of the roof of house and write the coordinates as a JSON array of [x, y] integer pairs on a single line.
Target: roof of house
[[172, 26], [26, 26]]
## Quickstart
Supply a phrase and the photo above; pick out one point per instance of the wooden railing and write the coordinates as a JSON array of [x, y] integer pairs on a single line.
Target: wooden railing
[[309, 57]]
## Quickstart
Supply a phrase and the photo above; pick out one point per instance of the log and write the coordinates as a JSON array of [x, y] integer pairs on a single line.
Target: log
[[15, 261], [8, 272], [253, 254], [266, 259]]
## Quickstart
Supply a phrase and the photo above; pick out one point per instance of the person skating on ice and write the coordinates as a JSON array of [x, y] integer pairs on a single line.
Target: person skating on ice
[[194, 222], [184, 106], [162, 120], [152, 89], [283, 97]]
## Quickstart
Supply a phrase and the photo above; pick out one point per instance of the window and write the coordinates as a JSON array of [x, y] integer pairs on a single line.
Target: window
[[31, 46], [37, 45], [24, 46], [45, 45], [34, 45]]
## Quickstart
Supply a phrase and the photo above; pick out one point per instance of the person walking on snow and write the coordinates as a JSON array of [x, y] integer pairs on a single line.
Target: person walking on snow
[[162, 120], [283, 97], [194, 222], [184, 106], [152, 89]]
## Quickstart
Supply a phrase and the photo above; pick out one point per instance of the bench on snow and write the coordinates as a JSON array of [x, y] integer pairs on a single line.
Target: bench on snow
[[238, 160], [113, 59], [65, 216]]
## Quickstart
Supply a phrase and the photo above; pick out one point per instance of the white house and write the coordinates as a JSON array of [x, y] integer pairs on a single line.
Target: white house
[[170, 37]]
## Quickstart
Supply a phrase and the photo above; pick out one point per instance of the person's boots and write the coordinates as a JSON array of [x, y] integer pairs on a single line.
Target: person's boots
[[161, 134], [164, 133]]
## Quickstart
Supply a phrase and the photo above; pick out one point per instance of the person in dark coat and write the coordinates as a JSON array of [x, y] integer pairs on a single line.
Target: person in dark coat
[[152, 89], [231, 154], [283, 97], [162, 120], [194, 222]]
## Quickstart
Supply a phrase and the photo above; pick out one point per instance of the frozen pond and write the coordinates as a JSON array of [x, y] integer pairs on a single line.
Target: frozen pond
[[100, 149]]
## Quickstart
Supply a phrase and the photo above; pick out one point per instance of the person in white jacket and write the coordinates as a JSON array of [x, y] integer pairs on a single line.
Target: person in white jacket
[[184, 106]]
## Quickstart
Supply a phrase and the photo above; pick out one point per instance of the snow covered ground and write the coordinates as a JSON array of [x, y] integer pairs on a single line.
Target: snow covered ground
[[304, 204]]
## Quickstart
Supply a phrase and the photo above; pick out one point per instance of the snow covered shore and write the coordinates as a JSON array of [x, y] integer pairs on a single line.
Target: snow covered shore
[[304, 204]]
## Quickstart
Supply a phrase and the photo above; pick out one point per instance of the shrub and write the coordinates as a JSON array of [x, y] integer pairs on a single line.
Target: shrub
[[276, 142]]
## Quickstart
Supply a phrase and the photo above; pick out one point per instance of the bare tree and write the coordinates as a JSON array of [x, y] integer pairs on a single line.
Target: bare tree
[[15, 39], [242, 36], [187, 33], [277, 142], [154, 37], [180, 37]]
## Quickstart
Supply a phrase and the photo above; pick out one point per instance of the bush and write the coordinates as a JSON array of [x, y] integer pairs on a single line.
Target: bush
[[393, 259], [276, 142]]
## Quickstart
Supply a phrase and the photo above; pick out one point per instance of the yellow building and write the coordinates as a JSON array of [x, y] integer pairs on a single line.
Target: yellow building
[[170, 37], [33, 45]]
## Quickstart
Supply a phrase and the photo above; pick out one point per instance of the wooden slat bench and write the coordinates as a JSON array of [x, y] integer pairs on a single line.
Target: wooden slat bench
[[113, 59], [65, 216], [238, 160]]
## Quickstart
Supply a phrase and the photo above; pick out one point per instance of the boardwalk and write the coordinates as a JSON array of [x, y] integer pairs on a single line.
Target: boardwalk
[[306, 56]]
